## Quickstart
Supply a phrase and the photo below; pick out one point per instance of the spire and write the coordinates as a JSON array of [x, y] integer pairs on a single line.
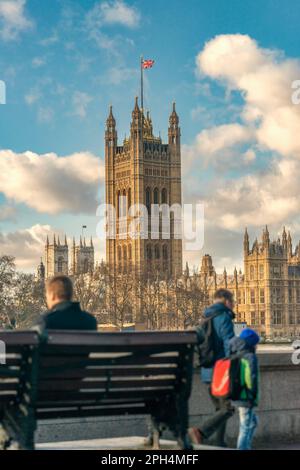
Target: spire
[[246, 242], [80, 240], [58, 241], [110, 122], [54, 240], [74, 242], [289, 245], [66, 243], [92, 242], [84, 244], [47, 241]]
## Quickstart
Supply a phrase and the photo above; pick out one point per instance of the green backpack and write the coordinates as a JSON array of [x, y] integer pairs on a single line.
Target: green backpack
[[248, 391]]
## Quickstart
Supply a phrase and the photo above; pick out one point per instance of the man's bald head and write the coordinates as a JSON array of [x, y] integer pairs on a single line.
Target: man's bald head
[[58, 289]]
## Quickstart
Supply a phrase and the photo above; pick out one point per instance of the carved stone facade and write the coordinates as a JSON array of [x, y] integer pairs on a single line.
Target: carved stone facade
[[143, 170], [268, 292], [57, 258]]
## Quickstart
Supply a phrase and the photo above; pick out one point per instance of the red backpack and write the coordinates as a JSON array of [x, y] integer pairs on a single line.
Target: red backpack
[[226, 379]]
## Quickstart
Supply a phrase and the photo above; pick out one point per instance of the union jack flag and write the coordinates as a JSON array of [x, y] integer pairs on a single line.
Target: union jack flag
[[147, 64]]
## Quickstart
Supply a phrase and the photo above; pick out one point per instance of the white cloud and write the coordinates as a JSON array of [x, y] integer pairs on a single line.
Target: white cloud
[[214, 140], [26, 245], [38, 62], [110, 13], [264, 78], [49, 183], [80, 101], [118, 12], [13, 19]]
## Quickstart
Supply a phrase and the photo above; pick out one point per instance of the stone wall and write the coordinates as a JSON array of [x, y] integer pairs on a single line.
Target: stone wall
[[279, 410]]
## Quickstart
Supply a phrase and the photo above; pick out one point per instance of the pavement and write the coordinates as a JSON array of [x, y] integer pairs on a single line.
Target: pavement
[[118, 443]]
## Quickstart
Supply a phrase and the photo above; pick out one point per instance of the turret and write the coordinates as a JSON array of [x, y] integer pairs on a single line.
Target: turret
[[289, 246], [284, 240], [111, 137], [174, 129], [246, 242], [136, 123], [266, 238], [225, 277]]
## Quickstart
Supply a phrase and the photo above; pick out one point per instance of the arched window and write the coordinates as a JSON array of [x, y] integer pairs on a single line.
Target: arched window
[[156, 196], [86, 265], [118, 204], [125, 254], [157, 252], [252, 272], [129, 199], [148, 200], [119, 254], [164, 196], [129, 252], [149, 252], [60, 263], [165, 252], [124, 203]]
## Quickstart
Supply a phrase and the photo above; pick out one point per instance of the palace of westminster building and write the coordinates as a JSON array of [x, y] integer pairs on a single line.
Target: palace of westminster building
[[145, 170]]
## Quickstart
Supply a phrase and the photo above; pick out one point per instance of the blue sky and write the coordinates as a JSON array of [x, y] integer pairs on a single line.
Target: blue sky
[[64, 62]]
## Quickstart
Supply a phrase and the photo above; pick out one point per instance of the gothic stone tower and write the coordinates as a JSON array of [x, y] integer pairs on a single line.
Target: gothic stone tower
[[82, 257], [56, 257], [145, 171], [267, 282]]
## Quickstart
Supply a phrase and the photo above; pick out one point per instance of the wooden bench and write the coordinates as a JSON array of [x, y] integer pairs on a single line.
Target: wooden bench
[[70, 374]]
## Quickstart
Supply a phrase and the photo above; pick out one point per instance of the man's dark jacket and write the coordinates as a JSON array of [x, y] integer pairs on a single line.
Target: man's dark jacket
[[224, 331], [67, 315]]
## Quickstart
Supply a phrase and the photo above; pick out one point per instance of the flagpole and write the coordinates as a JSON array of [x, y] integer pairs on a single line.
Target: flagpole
[[142, 83]]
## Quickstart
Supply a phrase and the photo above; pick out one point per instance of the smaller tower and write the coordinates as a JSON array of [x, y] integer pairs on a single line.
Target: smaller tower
[[246, 242], [40, 272], [56, 257], [82, 257]]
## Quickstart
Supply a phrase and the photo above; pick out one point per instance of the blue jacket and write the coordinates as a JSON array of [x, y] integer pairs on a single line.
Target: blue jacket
[[251, 375], [224, 330]]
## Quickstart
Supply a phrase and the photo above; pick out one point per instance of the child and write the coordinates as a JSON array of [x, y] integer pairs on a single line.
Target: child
[[245, 347]]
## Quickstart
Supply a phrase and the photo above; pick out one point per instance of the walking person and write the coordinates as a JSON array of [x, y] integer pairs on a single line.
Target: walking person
[[219, 321], [245, 347]]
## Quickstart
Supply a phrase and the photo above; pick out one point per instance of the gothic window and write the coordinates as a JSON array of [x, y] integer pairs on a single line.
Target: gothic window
[[252, 296], [156, 196], [118, 203], [261, 271], [164, 196], [291, 318], [86, 265], [165, 252], [129, 252], [124, 203], [262, 296], [277, 317], [148, 200], [252, 273], [149, 253], [290, 295], [129, 199], [253, 318], [60, 262], [262, 318], [157, 252]]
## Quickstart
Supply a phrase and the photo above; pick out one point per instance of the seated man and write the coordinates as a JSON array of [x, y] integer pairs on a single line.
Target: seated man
[[63, 314]]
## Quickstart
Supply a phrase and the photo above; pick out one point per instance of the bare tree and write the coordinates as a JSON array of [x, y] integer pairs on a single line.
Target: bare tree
[[119, 298], [90, 291]]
